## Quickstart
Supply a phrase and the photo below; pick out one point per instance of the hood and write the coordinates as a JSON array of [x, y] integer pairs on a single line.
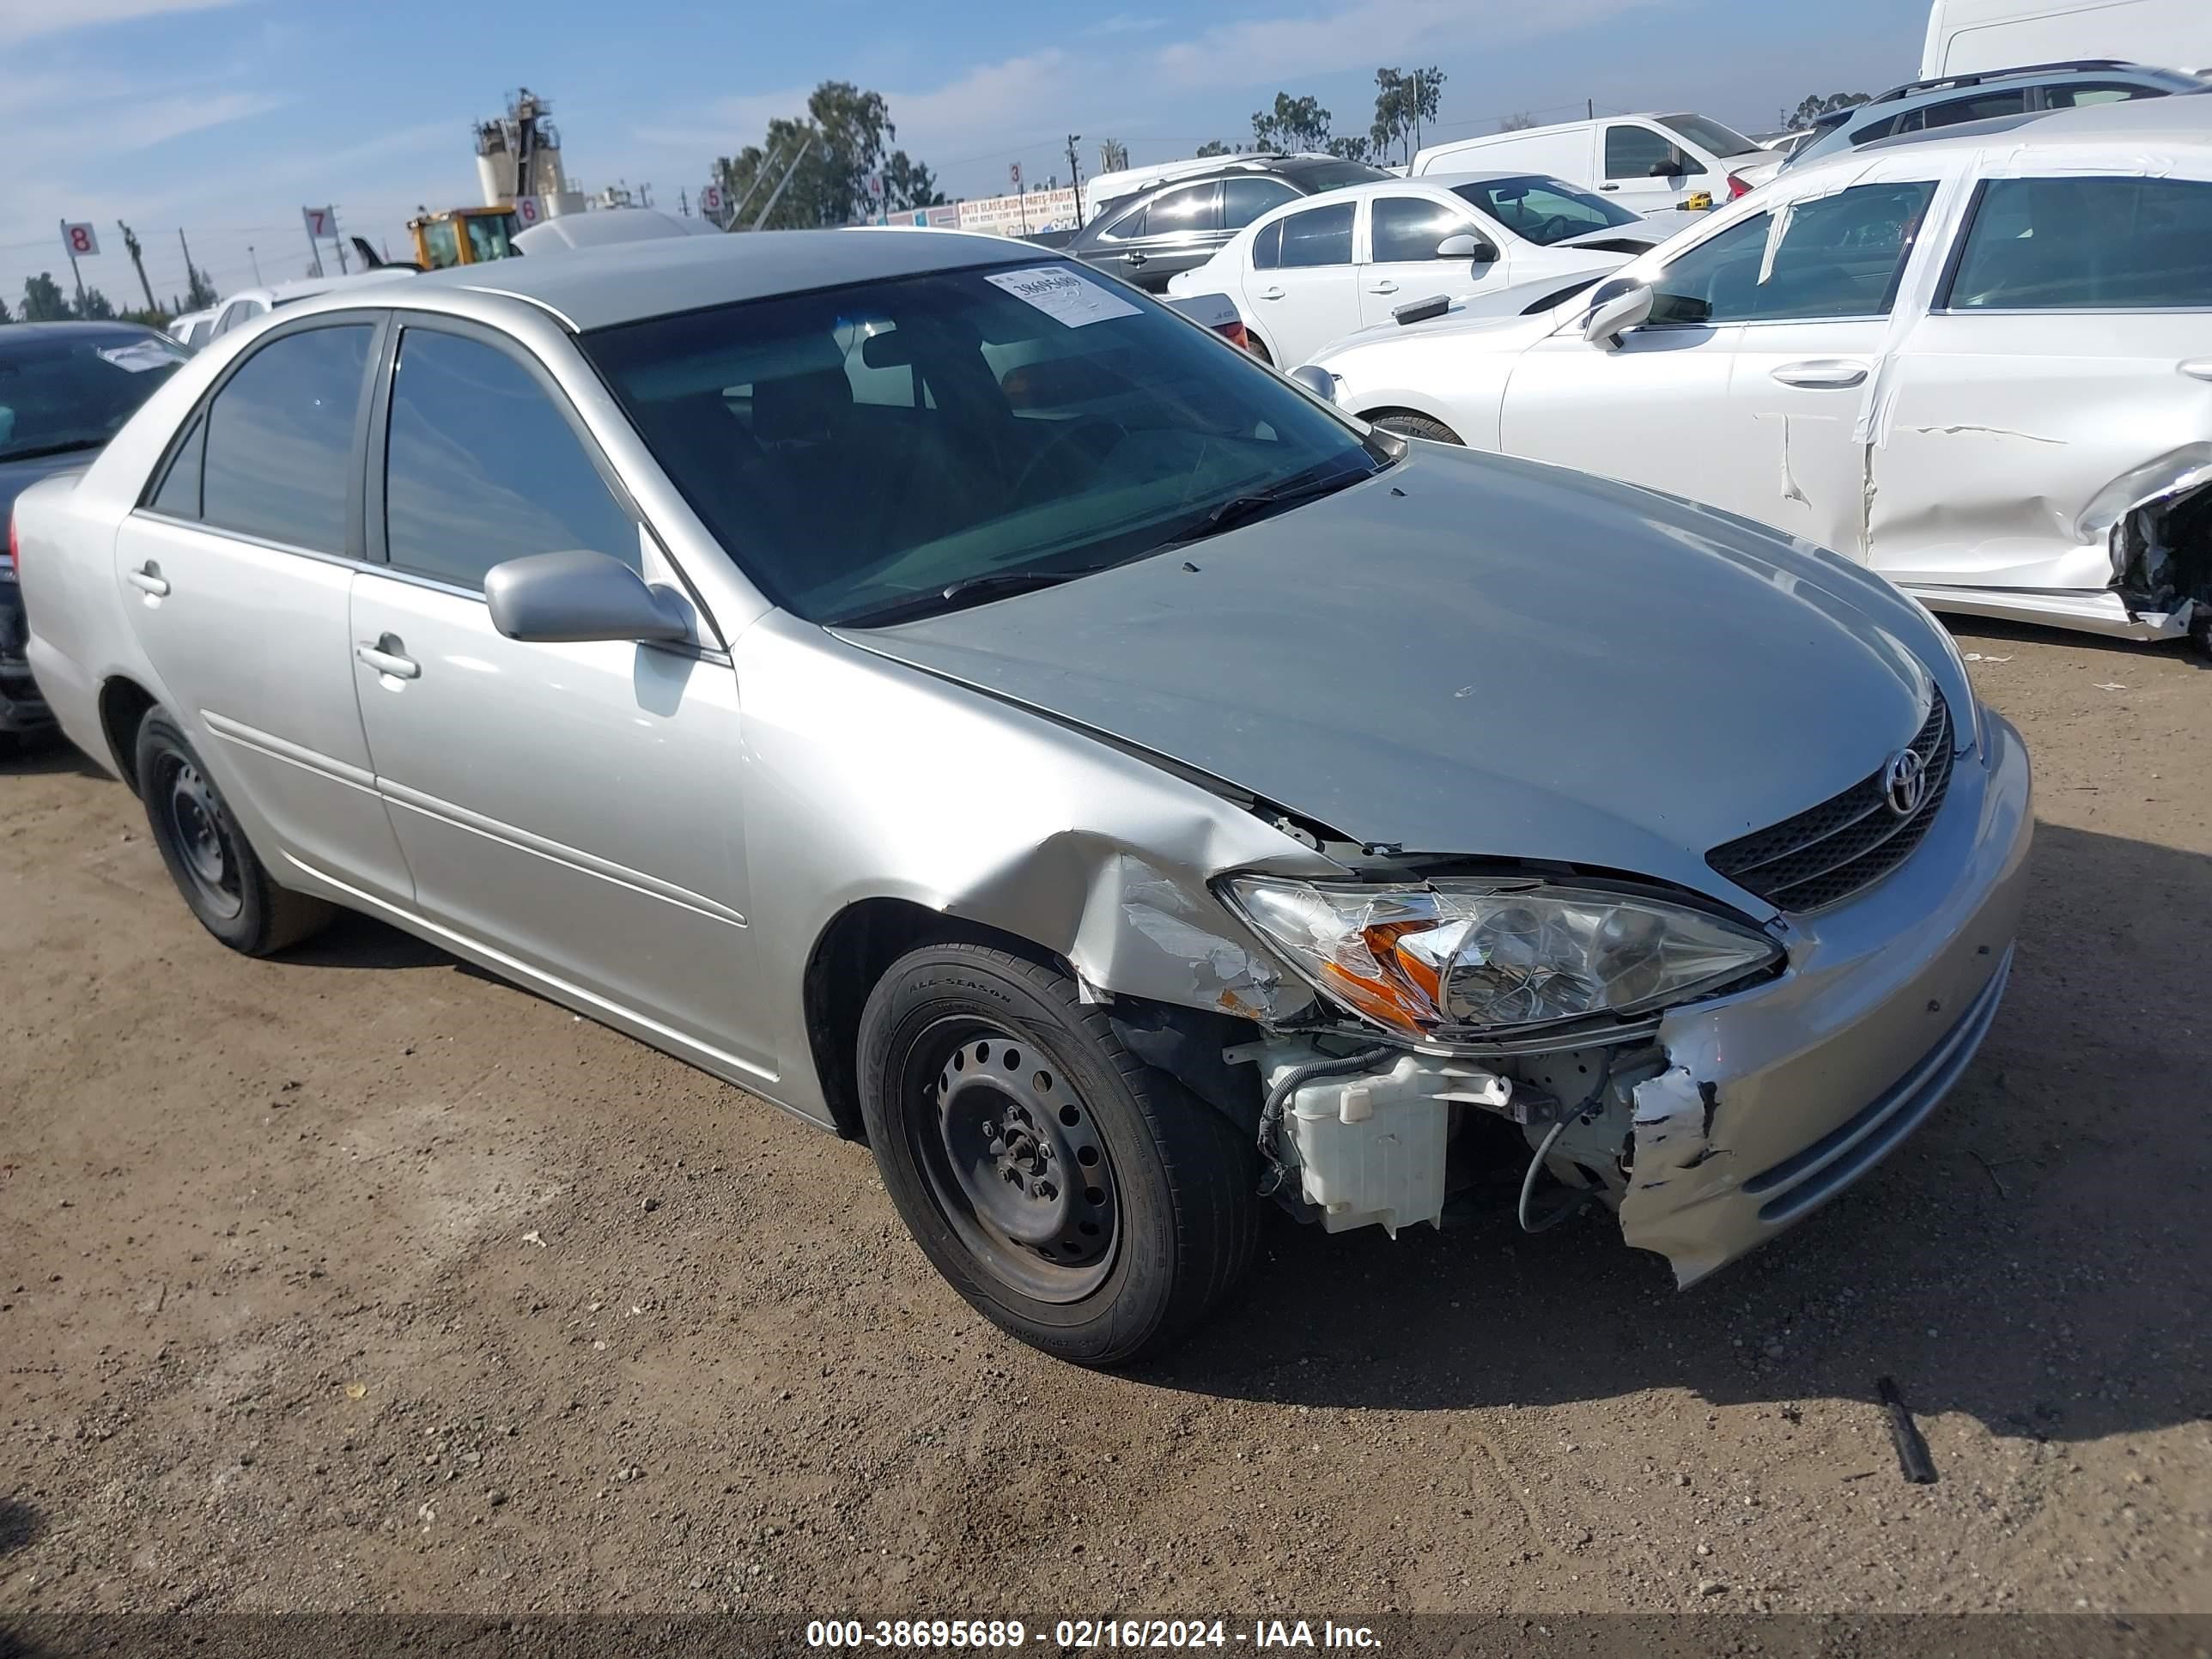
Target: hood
[[1473, 655], [1616, 239]]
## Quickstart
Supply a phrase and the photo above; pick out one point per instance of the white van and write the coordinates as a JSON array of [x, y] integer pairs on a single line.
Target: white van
[[1968, 35], [1645, 162]]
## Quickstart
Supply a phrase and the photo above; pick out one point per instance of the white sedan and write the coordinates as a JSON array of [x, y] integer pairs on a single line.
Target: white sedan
[[1981, 365], [1327, 265]]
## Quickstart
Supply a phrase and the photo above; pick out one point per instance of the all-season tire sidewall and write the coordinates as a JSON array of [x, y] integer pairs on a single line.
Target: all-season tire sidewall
[[1151, 1292], [269, 918], [1419, 426]]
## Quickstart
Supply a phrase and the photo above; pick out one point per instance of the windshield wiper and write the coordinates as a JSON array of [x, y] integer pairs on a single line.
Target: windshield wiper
[[36, 450], [991, 585], [1243, 509]]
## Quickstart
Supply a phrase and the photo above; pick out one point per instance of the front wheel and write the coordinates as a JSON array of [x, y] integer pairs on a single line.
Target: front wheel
[[208, 857], [1409, 425], [1078, 1199]]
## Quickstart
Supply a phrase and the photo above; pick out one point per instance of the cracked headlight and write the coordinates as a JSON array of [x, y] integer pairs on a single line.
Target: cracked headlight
[[1461, 958]]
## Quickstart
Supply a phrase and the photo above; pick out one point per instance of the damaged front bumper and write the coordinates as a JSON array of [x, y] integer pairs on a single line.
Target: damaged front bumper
[[1741, 1114]]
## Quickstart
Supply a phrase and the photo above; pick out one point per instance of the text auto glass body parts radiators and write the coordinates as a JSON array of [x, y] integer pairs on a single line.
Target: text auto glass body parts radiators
[[1454, 960]]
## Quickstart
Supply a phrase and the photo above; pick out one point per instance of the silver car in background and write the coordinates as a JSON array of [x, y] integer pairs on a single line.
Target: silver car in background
[[943, 691]]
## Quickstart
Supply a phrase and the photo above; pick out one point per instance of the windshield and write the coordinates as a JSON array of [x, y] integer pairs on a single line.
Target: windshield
[[1709, 136], [1542, 210], [860, 450], [73, 390]]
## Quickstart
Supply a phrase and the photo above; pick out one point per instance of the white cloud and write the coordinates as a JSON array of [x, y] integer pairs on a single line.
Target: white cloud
[[1123, 22], [21, 20], [1328, 42]]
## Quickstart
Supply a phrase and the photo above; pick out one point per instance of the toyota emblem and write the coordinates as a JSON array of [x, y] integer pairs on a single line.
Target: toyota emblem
[[1905, 782]]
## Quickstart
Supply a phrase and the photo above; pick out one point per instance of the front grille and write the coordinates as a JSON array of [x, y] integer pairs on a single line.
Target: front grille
[[1825, 855]]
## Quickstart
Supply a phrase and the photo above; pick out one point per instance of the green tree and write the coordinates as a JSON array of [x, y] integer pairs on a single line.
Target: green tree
[[4, 317], [200, 292], [95, 308], [1811, 109], [1295, 123], [1519, 121], [1351, 149], [42, 300], [1214, 147], [908, 183], [842, 138], [1404, 102]]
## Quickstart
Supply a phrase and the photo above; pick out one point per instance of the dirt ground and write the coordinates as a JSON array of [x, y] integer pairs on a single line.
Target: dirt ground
[[358, 1280]]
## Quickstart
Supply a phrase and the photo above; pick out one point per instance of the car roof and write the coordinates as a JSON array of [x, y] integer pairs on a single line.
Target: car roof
[[1965, 84], [116, 329], [601, 286], [2185, 119]]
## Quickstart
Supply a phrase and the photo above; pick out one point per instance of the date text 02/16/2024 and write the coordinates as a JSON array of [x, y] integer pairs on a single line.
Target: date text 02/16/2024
[[1084, 1634]]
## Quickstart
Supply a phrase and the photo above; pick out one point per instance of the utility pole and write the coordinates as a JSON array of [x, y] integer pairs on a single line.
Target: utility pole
[[130, 245], [778, 194], [1075, 176], [191, 279], [77, 276], [683, 203], [255, 257], [338, 242], [1589, 109]]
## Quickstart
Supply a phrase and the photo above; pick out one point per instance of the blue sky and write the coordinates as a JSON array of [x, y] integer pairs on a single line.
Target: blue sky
[[224, 117]]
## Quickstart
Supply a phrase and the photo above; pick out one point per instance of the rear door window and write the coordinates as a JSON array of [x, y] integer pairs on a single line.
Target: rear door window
[[2086, 244], [2083, 93], [1194, 208], [1986, 106], [1319, 236], [280, 440]]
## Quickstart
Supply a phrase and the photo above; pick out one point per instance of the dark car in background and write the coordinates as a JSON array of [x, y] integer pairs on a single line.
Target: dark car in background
[[65, 389], [1178, 225]]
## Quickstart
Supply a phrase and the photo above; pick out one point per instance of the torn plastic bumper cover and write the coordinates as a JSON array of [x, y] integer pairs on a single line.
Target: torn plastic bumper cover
[[1741, 1114]]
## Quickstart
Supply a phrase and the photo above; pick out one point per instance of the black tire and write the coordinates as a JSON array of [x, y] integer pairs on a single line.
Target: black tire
[[214, 867], [1418, 426], [960, 1043], [1258, 348]]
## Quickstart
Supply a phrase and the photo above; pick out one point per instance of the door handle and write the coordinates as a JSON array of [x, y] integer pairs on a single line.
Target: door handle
[[148, 579], [1822, 373], [1134, 258], [2197, 368], [1271, 294], [1382, 288], [385, 657], [1608, 186]]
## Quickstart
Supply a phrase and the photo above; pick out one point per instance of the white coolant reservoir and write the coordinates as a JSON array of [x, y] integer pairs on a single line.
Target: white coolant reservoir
[[1370, 1149]]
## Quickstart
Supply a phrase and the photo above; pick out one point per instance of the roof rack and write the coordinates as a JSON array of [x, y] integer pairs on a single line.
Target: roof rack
[[1945, 82]]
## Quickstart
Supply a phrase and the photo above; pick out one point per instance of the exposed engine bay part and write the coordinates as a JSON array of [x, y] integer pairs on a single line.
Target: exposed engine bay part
[[2162, 555]]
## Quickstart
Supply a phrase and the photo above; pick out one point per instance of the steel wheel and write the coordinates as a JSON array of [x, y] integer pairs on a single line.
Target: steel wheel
[[203, 841], [1014, 1160]]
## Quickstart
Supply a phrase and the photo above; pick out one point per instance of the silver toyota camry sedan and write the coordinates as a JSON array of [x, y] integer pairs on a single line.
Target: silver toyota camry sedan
[[949, 694]]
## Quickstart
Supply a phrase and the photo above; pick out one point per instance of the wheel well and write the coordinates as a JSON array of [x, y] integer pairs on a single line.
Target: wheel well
[[123, 705], [1372, 415], [1260, 349], [860, 943]]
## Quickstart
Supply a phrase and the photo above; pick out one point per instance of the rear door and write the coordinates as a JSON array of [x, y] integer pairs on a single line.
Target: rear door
[[1176, 231], [1402, 264], [1301, 286], [2064, 373], [237, 568], [1642, 168], [573, 808]]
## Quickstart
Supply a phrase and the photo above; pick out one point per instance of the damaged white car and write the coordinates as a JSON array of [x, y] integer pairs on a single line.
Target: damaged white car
[[1980, 365], [943, 691]]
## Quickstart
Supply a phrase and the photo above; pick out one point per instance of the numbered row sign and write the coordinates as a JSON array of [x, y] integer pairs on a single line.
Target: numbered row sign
[[81, 240], [528, 210], [710, 201], [321, 222]]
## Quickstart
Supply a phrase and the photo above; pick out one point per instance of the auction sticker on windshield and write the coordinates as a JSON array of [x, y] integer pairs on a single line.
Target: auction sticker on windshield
[[141, 355], [1062, 294]]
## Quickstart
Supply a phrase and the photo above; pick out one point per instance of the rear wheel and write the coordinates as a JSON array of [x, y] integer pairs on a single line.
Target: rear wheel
[[1408, 425], [208, 857], [1078, 1199]]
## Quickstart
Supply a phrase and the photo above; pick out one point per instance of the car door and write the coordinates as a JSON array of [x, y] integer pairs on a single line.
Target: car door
[[1176, 231], [1300, 287], [2063, 372], [1813, 327], [1402, 264], [1642, 167], [237, 568], [572, 809], [1647, 409]]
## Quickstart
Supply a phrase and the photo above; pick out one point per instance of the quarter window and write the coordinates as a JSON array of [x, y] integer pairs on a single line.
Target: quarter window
[[1267, 247], [1243, 200], [2083, 94], [1986, 107], [280, 454], [1319, 236], [1634, 152], [1406, 229], [481, 467], [1196, 208], [2086, 244]]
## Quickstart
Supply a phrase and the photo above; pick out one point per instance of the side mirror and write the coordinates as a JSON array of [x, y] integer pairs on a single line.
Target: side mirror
[[1461, 246], [559, 598], [1318, 380], [1614, 317]]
